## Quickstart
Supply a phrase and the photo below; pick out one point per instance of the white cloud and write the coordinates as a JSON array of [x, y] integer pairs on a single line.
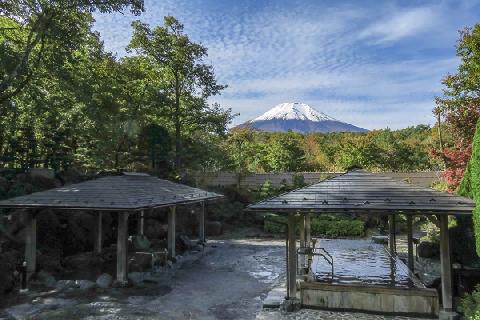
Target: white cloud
[[399, 25], [374, 65]]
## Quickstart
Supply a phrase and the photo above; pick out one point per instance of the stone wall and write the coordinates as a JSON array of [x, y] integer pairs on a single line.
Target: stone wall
[[251, 180]]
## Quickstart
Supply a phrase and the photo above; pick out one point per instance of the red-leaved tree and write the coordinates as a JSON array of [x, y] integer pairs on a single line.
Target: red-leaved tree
[[459, 107]]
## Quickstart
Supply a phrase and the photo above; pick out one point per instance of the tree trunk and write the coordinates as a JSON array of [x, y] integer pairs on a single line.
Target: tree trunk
[[178, 143]]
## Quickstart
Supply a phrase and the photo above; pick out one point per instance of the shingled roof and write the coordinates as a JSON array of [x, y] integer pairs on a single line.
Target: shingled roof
[[361, 192], [126, 192]]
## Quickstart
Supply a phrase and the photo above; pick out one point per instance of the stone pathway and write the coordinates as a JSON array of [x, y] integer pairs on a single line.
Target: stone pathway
[[229, 282]]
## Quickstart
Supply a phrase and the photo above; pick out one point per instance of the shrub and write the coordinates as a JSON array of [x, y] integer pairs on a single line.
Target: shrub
[[324, 225], [470, 305], [331, 226]]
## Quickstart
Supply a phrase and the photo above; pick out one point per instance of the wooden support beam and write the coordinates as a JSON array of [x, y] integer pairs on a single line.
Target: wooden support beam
[[141, 224], [292, 257], [410, 255], [171, 233], [445, 265], [391, 235], [308, 229], [201, 223], [30, 243], [97, 245], [302, 230], [122, 248]]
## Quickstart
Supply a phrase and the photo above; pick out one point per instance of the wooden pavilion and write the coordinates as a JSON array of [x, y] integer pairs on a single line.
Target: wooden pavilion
[[358, 191], [125, 195]]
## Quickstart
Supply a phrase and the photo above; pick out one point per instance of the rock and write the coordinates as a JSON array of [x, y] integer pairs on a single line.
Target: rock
[[198, 248], [141, 243], [85, 284], [136, 277], [141, 261], [7, 269], [47, 279], [428, 249], [159, 258], [155, 230], [183, 243], [66, 284], [214, 228], [104, 281], [380, 239]]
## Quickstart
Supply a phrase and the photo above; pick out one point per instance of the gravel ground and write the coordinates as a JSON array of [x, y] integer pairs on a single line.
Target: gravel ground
[[228, 282]]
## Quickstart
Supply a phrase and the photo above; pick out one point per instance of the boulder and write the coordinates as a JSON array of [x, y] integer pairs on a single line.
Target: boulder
[[380, 239], [155, 230], [141, 243], [141, 261], [183, 243], [46, 279], [214, 228], [427, 249], [85, 284], [104, 281], [66, 284]]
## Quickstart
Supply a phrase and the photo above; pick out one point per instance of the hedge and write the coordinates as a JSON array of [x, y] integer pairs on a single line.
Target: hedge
[[325, 225]]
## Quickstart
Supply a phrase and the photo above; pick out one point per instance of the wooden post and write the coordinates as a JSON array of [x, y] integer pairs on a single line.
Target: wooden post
[[171, 233], [302, 231], [445, 265], [391, 234], [410, 259], [292, 257], [201, 223], [141, 224], [97, 246], [122, 247], [31, 243], [308, 229], [303, 258]]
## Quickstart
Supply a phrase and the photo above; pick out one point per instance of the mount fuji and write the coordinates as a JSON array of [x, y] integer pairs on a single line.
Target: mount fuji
[[298, 117]]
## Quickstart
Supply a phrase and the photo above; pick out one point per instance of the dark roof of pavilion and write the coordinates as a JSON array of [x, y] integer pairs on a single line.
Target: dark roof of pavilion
[[124, 192], [364, 192]]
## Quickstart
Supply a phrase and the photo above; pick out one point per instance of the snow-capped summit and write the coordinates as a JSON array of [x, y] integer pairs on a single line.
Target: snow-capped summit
[[293, 111], [299, 117]]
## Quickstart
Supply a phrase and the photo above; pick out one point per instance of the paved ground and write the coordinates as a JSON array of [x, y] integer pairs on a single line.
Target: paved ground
[[228, 282]]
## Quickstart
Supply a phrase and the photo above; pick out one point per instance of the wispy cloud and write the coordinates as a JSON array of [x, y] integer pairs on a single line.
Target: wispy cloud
[[397, 25], [374, 64]]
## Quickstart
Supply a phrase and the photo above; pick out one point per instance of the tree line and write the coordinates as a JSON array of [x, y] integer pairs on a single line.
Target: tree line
[[65, 101], [379, 150]]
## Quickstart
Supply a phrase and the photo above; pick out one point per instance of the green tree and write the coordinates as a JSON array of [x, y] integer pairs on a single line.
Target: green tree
[[41, 29], [189, 82], [284, 154]]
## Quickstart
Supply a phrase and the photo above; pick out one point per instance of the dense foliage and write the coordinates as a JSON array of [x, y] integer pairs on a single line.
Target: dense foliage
[[400, 150], [67, 102], [470, 186], [459, 106], [330, 226], [470, 306]]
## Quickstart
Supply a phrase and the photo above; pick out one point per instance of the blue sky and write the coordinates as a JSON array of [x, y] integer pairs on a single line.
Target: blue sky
[[374, 64]]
